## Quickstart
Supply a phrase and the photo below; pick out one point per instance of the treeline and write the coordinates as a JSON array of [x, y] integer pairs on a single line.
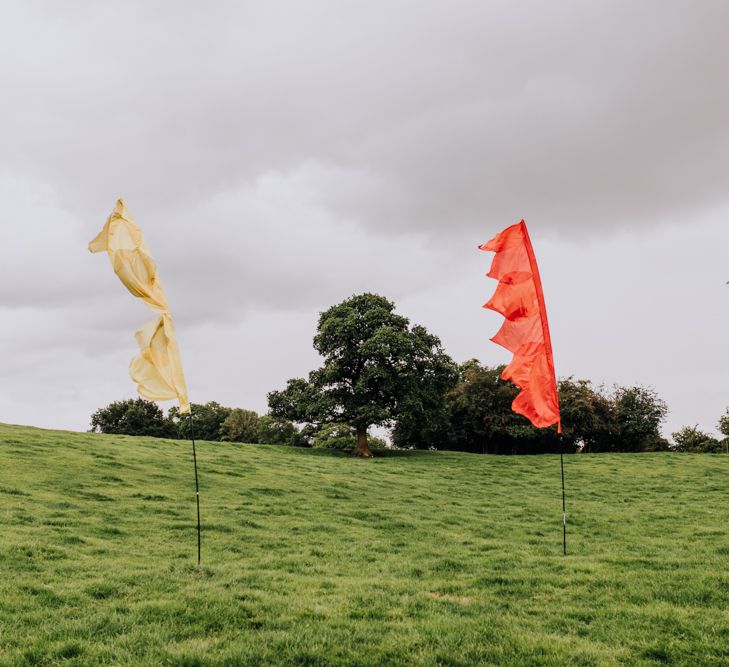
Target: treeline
[[213, 421], [476, 416], [379, 371], [693, 439]]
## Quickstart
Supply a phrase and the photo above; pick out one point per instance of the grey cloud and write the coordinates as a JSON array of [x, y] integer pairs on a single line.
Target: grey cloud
[[273, 246], [579, 115]]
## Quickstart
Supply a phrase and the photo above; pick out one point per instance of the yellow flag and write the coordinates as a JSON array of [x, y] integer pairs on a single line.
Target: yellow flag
[[157, 369]]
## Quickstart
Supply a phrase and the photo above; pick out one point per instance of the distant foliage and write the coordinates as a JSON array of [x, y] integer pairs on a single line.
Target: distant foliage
[[209, 419], [692, 439], [335, 436], [240, 426], [723, 424], [342, 437], [481, 419], [133, 417], [212, 421], [626, 419], [639, 413], [274, 431], [476, 416], [376, 370], [588, 416]]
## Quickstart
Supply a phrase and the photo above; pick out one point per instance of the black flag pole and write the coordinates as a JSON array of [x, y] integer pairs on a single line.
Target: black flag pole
[[564, 504], [197, 485]]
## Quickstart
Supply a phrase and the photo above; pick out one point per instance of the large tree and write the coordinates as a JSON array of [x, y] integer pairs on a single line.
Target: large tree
[[375, 368]]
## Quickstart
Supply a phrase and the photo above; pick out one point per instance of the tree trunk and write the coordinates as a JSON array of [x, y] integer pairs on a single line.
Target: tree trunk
[[362, 449]]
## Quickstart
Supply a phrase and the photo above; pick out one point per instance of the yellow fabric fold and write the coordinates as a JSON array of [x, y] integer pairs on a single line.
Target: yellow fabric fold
[[157, 369]]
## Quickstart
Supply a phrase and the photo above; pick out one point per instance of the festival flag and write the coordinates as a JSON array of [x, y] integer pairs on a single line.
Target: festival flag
[[525, 333], [157, 369]]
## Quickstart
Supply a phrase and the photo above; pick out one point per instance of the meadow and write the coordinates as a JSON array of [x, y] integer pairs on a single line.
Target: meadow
[[312, 558]]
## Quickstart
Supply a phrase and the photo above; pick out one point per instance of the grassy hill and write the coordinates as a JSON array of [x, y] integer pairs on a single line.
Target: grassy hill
[[312, 558]]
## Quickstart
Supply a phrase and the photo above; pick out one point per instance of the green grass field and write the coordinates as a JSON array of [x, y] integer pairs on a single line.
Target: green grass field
[[312, 558]]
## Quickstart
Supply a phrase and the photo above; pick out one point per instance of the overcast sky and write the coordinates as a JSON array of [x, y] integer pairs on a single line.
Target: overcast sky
[[281, 156]]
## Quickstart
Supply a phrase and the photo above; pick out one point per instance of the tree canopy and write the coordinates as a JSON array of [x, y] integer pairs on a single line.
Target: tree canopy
[[376, 368], [133, 417], [692, 439], [212, 421], [476, 416], [240, 426], [481, 419], [379, 370]]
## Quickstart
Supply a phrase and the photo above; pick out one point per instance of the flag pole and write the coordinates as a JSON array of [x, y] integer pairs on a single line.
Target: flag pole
[[564, 504], [197, 486]]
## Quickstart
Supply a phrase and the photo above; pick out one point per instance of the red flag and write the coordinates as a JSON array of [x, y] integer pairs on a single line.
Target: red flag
[[519, 298]]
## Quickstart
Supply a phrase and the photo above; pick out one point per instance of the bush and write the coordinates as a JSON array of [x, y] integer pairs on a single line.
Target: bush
[[691, 439], [208, 418], [240, 426], [275, 431], [133, 417], [212, 421]]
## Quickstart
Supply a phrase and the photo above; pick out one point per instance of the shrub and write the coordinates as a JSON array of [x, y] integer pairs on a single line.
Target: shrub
[[208, 418], [133, 417], [691, 439], [275, 431], [240, 426]]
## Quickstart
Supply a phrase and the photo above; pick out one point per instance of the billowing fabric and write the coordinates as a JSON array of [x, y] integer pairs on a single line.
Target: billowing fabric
[[157, 369], [525, 333]]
